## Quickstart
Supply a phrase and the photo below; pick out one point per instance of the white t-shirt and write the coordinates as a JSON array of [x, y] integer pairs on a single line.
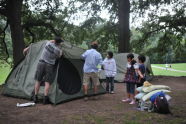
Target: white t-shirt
[[136, 66], [109, 67]]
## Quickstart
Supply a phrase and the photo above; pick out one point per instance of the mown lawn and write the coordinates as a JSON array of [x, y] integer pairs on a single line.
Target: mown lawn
[[4, 71], [180, 66]]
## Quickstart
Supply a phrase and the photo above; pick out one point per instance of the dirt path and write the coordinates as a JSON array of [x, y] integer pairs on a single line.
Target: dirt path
[[108, 109]]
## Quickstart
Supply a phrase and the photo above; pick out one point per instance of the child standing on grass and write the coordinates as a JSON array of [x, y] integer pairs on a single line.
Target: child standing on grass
[[109, 66], [141, 60], [131, 78]]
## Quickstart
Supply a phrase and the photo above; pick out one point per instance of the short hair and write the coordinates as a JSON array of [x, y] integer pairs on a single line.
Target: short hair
[[130, 55], [110, 53], [142, 58], [58, 39], [94, 45]]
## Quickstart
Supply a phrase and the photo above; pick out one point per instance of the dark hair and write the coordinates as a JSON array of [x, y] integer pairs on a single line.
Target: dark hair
[[132, 63], [110, 54], [58, 39], [94, 46], [130, 55], [142, 58]]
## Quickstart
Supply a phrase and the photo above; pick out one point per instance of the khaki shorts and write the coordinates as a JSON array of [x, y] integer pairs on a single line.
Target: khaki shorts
[[92, 76]]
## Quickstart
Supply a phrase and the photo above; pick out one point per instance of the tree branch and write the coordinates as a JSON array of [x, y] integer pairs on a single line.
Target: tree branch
[[31, 33], [40, 23], [174, 22]]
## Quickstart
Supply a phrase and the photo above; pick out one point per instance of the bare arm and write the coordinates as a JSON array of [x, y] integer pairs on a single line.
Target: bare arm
[[25, 51], [52, 41], [139, 72]]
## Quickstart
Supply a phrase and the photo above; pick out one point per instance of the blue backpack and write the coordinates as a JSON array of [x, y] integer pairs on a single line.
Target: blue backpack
[[160, 103]]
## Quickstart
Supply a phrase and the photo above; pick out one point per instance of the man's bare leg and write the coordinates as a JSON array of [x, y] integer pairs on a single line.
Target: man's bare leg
[[37, 86], [85, 88], [36, 91], [47, 87], [95, 91]]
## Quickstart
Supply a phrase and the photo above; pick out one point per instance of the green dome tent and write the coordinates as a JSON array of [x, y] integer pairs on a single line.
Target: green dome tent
[[67, 84]]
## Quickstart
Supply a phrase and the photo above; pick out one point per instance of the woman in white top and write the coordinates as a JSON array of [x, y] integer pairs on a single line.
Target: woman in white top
[[109, 66]]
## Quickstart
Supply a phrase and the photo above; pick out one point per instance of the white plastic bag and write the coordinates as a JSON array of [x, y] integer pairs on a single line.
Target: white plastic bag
[[25, 104]]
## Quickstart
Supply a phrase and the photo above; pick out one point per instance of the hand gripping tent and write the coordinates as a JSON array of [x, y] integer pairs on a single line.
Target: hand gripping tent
[[67, 84]]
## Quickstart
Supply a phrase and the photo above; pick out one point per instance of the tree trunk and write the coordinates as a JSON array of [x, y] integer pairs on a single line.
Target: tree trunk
[[14, 8], [124, 31]]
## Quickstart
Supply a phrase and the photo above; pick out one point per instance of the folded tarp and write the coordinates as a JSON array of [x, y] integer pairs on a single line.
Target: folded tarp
[[154, 87], [148, 95]]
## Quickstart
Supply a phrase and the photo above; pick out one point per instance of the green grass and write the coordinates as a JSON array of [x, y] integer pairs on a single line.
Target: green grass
[[4, 71], [180, 66]]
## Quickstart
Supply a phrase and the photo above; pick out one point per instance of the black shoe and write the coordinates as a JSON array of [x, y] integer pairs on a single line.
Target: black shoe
[[46, 100], [35, 98]]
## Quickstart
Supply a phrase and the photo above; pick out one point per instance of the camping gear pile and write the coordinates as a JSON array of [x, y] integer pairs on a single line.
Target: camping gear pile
[[153, 98]]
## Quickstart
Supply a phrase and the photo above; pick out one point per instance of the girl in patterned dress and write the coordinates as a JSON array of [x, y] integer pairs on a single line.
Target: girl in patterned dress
[[131, 77]]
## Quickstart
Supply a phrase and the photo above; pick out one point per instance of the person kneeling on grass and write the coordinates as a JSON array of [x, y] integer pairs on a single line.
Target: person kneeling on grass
[[109, 66], [131, 78], [45, 67]]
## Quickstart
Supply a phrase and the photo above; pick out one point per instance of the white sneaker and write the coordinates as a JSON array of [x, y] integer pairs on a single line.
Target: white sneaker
[[126, 100], [112, 92], [132, 102]]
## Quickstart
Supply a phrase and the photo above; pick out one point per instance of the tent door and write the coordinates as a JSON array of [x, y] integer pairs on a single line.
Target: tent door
[[68, 78]]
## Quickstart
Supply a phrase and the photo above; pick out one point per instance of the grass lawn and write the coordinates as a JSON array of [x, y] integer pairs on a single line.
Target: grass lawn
[[180, 66], [4, 71]]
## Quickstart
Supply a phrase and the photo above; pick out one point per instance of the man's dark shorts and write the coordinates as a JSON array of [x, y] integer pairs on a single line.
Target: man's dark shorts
[[44, 72]]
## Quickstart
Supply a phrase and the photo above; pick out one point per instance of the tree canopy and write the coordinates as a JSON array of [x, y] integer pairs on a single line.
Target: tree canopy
[[152, 27]]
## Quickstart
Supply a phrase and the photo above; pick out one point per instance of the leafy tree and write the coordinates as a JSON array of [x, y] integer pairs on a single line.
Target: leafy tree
[[11, 9], [162, 36], [119, 10], [25, 16]]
